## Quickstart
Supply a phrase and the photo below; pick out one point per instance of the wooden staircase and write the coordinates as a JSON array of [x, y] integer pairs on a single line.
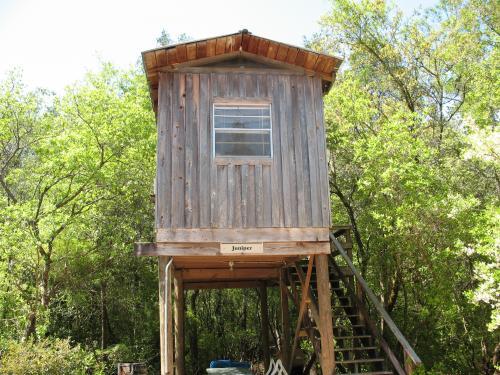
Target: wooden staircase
[[359, 347]]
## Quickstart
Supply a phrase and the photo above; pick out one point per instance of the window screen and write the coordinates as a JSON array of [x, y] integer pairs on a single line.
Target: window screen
[[242, 130]]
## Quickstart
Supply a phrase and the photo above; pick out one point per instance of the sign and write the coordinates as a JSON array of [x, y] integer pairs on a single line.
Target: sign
[[241, 248]]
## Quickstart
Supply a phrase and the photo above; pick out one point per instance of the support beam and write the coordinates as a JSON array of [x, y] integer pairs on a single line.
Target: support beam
[[294, 296], [313, 306], [239, 235], [285, 319], [302, 307], [165, 272], [237, 274], [179, 326], [198, 249], [162, 262], [264, 320], [325, 315], [222, 285]]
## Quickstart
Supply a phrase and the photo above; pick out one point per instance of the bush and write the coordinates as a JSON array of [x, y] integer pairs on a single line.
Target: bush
[[47, 357]]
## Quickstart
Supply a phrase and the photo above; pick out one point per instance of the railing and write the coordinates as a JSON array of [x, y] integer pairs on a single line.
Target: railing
[[365, 295]]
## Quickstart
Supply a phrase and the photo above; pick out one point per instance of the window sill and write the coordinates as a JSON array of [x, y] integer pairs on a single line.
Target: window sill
[[220, 160]]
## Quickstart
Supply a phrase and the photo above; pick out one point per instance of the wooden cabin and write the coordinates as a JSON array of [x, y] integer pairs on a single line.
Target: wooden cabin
[[242, 200], [242, 183]]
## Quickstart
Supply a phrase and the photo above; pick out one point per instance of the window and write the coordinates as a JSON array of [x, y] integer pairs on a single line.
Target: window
[[242, 130]]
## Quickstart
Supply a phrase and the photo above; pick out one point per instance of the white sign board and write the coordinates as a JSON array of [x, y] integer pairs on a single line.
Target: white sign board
[[241, 248]]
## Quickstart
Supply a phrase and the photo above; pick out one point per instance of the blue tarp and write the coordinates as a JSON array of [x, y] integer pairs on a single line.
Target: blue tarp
[[225, 363]]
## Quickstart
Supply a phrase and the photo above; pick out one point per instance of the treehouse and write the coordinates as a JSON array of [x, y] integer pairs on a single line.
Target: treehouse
[[242, 194]]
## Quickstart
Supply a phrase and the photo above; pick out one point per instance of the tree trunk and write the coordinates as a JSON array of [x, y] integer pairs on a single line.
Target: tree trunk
[[104, 318], [45, 291], [193, 334], [30, 325]]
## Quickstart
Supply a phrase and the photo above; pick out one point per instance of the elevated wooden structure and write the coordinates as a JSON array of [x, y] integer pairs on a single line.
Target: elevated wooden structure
[[241, 188]]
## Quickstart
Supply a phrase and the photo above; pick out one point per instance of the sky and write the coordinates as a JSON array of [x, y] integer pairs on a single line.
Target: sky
[[54, 42]]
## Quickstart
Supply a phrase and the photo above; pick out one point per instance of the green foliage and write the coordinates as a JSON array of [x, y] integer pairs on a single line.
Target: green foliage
[[76, 183], [47, 357], [413, 139], [412, 134]]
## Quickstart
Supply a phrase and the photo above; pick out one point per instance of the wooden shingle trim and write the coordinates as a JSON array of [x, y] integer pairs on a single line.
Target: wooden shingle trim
[[201, 50], [160, 59], [220, 47], [191, 51]]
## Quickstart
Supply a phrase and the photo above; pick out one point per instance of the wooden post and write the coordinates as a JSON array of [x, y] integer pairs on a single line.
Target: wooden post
[[166, 332], [179, 325], [325, 315], [162, 262], [264, 325], [285, 320], [302, 307], [409, 365]]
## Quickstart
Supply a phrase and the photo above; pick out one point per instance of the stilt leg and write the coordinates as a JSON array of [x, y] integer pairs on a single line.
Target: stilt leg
[[264, 325], [179, 325], [325, 315]]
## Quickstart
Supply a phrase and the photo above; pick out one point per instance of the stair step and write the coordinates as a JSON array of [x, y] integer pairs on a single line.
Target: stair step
[[352, 337], [354, 361], [357, 348], [347, 316], [350, 326], [370, 373]]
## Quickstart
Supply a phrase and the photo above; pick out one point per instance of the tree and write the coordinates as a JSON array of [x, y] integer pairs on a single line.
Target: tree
[[60, 165], [401, 120], [165, 39]]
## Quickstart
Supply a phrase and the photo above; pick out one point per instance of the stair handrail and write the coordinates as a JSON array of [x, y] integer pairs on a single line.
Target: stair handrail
[[408, 350]]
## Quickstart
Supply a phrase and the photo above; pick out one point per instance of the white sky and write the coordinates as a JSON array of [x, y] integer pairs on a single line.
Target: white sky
[[55, 41]]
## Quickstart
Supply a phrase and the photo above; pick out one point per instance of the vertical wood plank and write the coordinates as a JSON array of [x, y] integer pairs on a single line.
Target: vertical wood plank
[[285, 161], [230, 195], [178, 154], [164, 152], [297, 150], [291, 151], [204, 155], [213, 168], [195, 181], [222, 85], [259, 203], [304, 150], [313, 156], [222, 194], [234, 85], [188, 152], [237, 197], [267, 196], [322, 160], [251, 197], [241, 85], [179, 325], [261, 85], [276, 176], [244, 195], [249, 84]]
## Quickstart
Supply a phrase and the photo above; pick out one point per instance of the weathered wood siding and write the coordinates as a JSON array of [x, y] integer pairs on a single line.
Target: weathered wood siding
[[193, 191]]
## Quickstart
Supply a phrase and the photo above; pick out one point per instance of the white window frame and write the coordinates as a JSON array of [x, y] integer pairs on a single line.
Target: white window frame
[[243, 131]]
